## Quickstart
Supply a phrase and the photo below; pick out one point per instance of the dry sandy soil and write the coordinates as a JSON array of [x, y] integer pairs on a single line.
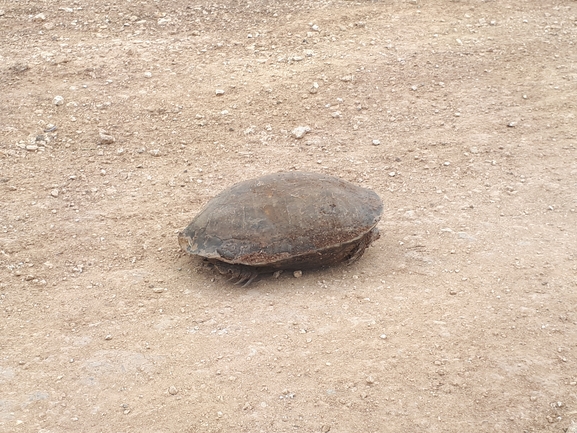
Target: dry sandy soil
[[462, 317]]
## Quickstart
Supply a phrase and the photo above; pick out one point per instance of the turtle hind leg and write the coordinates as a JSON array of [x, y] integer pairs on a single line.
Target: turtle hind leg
[[244, 274]]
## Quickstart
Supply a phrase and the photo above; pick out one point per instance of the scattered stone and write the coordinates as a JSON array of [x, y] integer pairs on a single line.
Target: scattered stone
[[392, 174], [347, 78], [325, 428], [148, 74], [48, 26], [276, 274], [512, 124], [219, 92], [159, 289], [336, 114], [370, 380], [300, 131], [40, 17], [172, 390], [383, 336], [1, 13], [376, 142], [105, 138], [19, 68], [572, 428], [314, 88], [315, 28], [297, 58], [108, 337], [298, 274], [32, 147], [155, 152], [54, 193], [58, 100], [50, 128], [452, 292]]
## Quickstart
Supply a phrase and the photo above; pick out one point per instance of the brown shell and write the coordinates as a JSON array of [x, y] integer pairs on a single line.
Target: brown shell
[[285, 220]]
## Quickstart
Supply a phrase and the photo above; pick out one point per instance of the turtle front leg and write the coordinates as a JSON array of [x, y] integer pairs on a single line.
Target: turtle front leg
[[245, 274]]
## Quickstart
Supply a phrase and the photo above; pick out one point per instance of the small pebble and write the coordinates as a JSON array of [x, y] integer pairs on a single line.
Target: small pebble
[[105, 138], [54, 193], [172, 390], [148, 74], [39, 17], [58, 100], [315, 28], [108, 337], [298, 274], [314, 88], [219, 92], [276, 274], [383, 336], [392, 174], [300, 131], [370, 380], [511, 124], [159, 290], [376, 142]]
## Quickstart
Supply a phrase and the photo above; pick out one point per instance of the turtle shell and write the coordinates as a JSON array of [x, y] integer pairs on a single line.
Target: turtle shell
[[285, 220]]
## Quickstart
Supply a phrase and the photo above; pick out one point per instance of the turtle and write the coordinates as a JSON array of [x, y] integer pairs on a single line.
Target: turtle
[[288, 220]]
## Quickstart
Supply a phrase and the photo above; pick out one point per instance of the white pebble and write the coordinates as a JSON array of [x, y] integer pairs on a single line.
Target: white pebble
[[376, 142], [300, 131], [105, 138], [158, 290], [148, 74], [54, 193], [219, 92], [58, 100], [298, 274]]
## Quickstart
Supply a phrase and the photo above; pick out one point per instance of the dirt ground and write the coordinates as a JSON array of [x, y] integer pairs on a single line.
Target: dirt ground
[[120, 120]]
